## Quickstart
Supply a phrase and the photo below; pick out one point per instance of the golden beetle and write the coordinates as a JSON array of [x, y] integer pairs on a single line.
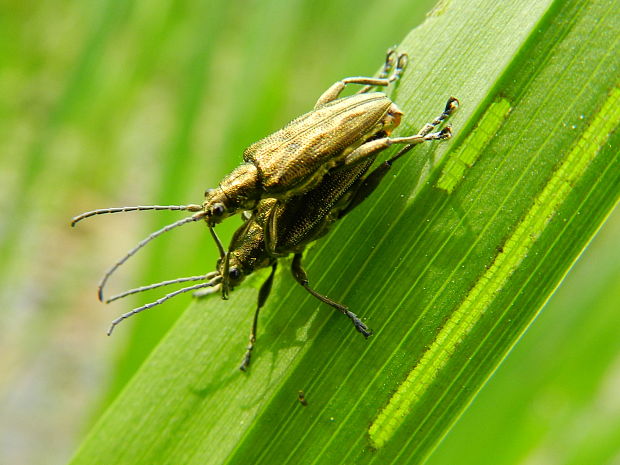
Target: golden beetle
[[337, 132], [275, 229]]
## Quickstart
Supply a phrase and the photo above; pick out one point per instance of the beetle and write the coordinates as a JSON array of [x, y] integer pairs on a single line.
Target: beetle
[[276, 229], [337, 132]]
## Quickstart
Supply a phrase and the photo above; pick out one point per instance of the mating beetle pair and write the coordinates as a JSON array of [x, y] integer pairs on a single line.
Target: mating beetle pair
[[293, 185]]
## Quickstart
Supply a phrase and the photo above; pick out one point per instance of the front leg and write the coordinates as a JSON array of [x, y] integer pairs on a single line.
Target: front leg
[[301, 277]]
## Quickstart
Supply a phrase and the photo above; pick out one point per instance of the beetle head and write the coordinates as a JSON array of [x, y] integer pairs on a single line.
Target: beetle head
[[235, 276], [235, 273], [237, 191], [215, 206]]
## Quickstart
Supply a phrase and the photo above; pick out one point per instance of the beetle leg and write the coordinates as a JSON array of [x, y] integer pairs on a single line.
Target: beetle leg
[[373, 147], [265, 289], [391, 58], [368, 82], [270, 230], [301, 277], [218, 242], [336, 89], [451, 107], [205, 292]]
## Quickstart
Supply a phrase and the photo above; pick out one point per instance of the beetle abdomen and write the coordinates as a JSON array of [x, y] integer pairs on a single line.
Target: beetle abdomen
[[296, 157]]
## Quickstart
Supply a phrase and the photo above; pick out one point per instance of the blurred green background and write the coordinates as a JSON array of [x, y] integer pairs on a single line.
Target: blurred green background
[[116, 103]]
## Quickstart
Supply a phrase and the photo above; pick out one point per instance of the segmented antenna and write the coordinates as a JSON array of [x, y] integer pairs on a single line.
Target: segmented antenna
[[124, 316], [203, 277], [103, 211], [142, 243]]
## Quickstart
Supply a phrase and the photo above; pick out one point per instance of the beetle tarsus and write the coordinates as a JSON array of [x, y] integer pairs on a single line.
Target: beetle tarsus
[[401, 64], [391, 59], [245, 363], [359, 325], [451, 106], [301, 277]]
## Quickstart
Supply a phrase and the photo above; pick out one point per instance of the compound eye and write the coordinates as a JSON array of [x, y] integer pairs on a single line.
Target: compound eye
[[217, 210], [208, 191], [234, 274]]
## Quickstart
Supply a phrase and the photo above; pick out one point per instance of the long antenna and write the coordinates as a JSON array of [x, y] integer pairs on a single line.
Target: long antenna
[[124, 316], [142, 243], [203, 277], [103, 211]]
